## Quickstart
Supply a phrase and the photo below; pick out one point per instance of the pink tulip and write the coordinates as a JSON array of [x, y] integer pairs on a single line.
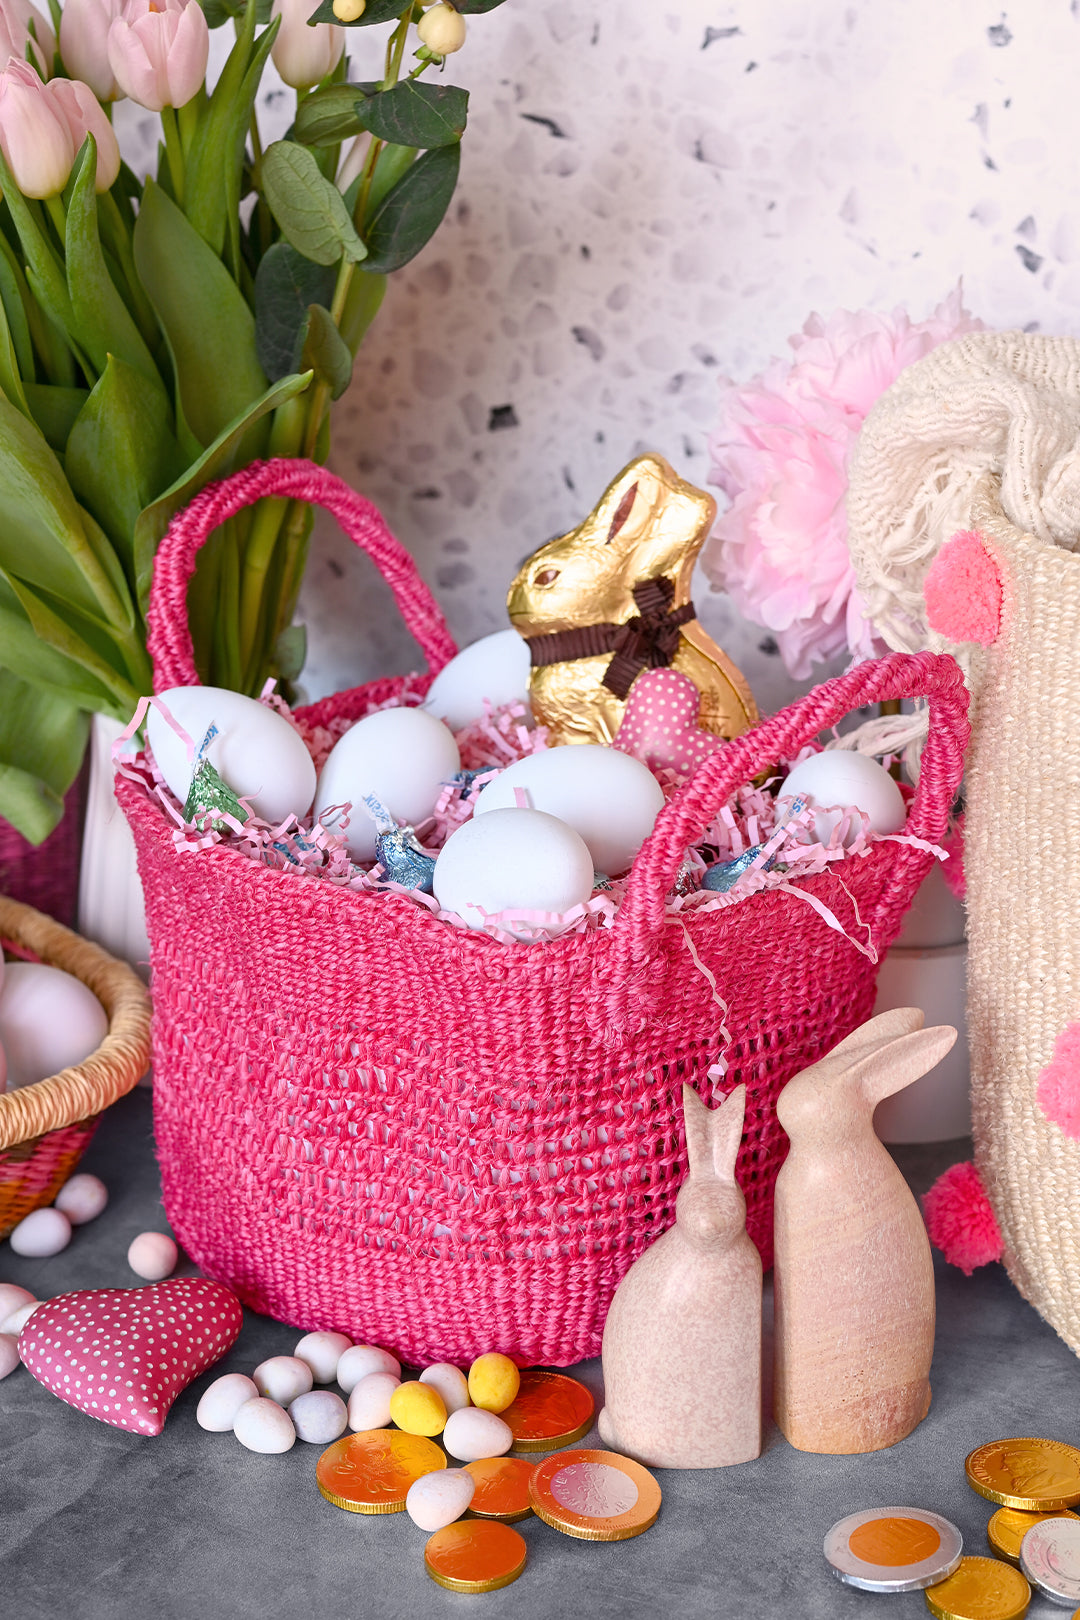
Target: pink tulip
[[34, 134], [80, 108], [15, 19], [304, 55], [84, 43], [158, 51]]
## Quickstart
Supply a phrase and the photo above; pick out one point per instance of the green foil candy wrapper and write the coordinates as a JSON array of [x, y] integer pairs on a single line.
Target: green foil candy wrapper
[[210, 792]]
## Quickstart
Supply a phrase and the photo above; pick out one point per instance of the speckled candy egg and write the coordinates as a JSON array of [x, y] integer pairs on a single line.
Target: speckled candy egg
[[41, 1233], [322, 1352], [438, 1498], [283, 1378], [153, 1255], [216, 1411], [369, 1403], [262, 1425], [472, 1434], [82, 1199], [362, 1360], [402, 756], [319, 1416], [450, 1382]]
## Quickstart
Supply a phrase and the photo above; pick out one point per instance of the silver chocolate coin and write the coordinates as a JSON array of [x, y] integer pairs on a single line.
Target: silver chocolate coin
[[894, 1549], [1050, 1558]]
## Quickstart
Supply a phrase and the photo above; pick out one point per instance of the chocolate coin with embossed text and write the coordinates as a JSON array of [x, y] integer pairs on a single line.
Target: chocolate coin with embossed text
[[594, 1495], [549, 1411], [1050, 1558], [980, 1589], [1009, 1526], [1033, 1474], [893, 1549]]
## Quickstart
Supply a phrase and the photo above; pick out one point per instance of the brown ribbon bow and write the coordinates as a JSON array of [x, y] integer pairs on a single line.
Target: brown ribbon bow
[[649, 640]]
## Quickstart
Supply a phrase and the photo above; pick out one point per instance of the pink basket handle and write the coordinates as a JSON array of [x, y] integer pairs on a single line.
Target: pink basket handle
[[169, 638], [682, 822]]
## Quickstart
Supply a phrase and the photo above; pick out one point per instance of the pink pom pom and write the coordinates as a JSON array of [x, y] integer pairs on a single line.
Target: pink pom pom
[[1059, 1082], [962, 591], [960, 1221]]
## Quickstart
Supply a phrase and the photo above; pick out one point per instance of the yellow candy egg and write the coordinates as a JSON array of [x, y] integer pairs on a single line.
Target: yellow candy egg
[[493, 1382], [418, 1409]]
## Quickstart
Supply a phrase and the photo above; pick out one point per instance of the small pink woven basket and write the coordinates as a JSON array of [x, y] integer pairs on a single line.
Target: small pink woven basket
[[371, 1121]]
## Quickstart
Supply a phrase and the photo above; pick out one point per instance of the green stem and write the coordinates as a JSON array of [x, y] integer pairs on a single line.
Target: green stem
[[174, 151], [286, 434], [187, 118], [116, 237], [55, 210]]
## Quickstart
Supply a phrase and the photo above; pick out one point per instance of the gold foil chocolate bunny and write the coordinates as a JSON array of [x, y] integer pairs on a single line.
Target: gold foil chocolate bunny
[[612, 598]]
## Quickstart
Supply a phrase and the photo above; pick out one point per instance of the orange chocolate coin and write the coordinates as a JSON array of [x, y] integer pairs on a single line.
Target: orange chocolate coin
[[475, 1555], [371, 1472], [502, 1488], [594, 1495], [549, 1411]]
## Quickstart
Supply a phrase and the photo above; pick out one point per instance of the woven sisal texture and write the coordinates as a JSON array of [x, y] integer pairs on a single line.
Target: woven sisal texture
[[370, 1121]]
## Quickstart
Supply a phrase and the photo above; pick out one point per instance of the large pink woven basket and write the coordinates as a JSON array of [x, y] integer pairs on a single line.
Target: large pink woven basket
[[368, 1120]]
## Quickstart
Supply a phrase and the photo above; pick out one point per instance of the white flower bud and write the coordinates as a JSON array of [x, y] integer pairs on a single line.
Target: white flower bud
[[442, 29]]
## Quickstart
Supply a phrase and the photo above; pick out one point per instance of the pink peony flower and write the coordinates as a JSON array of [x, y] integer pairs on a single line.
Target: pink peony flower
[[781, 454]]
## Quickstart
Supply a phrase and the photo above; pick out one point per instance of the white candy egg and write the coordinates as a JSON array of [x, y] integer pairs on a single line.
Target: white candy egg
[[9, 1355], [41, 1233], [322, 1352], [82, 1199], [609, 798], [362, 1360], [495, 669], [153, 1255], [49, 1021], [369, 1403], [839, 777], [262, 1425], [402, 756], [19, 1318], [450, 1382], [437, 1499], [12, 1298], [283, 1378], [512, 860], [473, 1433], [257, 752], [319, 1416], [216, 1411]]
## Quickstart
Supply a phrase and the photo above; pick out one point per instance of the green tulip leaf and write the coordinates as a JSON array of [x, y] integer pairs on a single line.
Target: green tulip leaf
[[361, 307], [290, 651], [286, 284], [24, 653], [85, 641], [54, 409], [324, 351], [411, 212], [413, 113], [207, 323], [309, 208], [10, 381], [102, 323], [15, 313], [219, 12], [42, 743]]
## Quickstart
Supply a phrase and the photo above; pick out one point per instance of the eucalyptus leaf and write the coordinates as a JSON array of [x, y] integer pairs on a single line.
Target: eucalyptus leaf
[[286, 284], [42, 743], [409, 214], [473, 8], [101, 319], [54, 409], [329, 115], [325, 352], [309, 208], [376, 11], [414, 113]]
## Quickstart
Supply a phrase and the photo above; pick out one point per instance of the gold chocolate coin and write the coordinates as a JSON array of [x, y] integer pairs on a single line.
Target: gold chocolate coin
[[594, 1495], [502, 1488], [981, 1589], [371, 1472], [475, 1555], [1009, 1526], [1036, 1475], [548, 1412]]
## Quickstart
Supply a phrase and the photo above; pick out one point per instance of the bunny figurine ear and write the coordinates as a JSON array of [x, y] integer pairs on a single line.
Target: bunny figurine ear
[[713, 1135], [904, 1061]]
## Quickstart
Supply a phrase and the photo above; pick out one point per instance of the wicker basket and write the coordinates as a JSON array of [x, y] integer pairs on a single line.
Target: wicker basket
[[45, 1128]]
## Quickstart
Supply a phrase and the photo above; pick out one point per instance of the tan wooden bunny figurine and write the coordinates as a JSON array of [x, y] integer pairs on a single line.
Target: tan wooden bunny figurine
[[682, 1341], [854, 1279]]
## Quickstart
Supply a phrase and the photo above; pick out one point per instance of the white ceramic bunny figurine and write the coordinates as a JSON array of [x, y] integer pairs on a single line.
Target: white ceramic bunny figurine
[[854, 1277], [682, 1341]]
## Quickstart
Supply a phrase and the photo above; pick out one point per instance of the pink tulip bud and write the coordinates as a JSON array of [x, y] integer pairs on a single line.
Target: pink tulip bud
[[304, 55], [158, 51], [84, 43], [34, 134], [15, 19], [80, 108]]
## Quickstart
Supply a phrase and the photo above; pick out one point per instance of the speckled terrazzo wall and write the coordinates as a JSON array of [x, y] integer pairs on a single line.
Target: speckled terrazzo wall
[[654, 194]]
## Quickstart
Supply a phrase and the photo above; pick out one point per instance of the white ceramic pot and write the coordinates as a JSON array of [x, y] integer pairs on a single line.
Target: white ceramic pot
[[936, 1108], [111, 907]]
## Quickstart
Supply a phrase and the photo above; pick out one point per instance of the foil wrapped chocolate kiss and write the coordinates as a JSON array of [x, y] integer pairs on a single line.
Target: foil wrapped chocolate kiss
[[612, 598]]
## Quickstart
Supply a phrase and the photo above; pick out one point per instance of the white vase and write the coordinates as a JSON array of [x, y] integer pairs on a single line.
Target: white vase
[[111, 907]]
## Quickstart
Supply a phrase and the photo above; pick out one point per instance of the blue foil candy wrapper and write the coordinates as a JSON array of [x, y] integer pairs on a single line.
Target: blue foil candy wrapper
[[466, 780], [403, 861], [724, 875]]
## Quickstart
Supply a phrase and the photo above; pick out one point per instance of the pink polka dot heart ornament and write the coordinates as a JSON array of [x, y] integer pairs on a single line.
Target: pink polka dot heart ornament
[[660, 723], [123, 1355]]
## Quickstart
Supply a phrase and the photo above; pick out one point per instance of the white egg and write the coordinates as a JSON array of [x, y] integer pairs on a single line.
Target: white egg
[[283, 1378], [322, 1352], [49, 1021], [263, 1425], [257, 752], [41, 1233], [609, 798], [495, 669], [220, 1402], [402, 756], [512, 860], [319, 1416], [9, 1355], [82, 1198], [437, 1499], [361, 1361], [153, 1255], [841, 778], [473, 1433], [369, 1403], [450, 1382]]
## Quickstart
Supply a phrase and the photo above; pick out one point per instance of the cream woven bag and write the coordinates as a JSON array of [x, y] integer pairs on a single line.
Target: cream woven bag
[[984, 435]]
